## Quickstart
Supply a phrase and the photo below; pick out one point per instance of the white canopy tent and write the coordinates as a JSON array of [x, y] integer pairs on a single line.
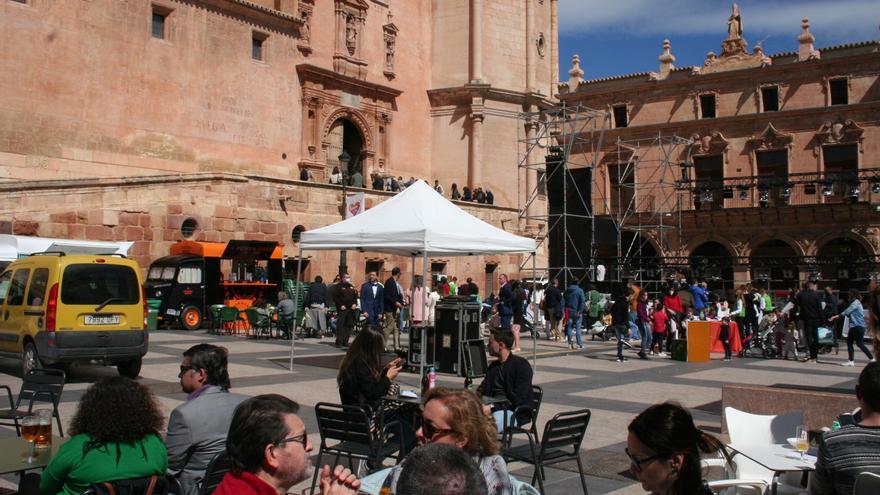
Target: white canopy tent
[[416, 222]]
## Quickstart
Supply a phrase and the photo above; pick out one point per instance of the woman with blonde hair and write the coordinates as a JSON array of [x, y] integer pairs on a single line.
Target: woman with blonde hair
[[456, 417]]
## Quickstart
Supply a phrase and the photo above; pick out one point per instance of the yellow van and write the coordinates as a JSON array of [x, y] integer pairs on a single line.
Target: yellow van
[[58, 309]]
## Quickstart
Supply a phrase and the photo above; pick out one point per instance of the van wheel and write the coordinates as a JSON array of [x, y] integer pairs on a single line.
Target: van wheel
[[29, 358], [130, 369], [191, 318]]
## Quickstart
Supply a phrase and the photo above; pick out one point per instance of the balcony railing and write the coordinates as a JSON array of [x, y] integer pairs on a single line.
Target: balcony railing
[[861, 186]]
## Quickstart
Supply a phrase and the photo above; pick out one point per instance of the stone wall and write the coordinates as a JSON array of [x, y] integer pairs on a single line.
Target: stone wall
[[150, 211]]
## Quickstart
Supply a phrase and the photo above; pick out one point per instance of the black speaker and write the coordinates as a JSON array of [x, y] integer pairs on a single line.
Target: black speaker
[[415, 347], [569, 193], [456, 323]]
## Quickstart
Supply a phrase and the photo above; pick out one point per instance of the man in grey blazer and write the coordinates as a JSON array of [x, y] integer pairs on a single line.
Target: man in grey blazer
[[197, 428]]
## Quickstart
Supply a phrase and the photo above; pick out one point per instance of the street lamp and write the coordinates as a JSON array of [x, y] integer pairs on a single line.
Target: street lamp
[[344, 158]]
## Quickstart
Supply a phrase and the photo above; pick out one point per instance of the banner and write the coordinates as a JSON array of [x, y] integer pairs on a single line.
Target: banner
[[354, 204]]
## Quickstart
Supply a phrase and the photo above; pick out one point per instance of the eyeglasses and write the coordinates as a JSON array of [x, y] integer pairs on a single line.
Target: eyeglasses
[[639, 464], [184, 369], [430, 431], [302, 438]]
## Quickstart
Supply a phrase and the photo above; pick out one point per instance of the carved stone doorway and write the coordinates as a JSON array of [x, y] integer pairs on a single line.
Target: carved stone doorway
[[344, 135]]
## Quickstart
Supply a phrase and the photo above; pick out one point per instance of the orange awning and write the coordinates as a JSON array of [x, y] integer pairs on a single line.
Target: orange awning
[[210, 249]]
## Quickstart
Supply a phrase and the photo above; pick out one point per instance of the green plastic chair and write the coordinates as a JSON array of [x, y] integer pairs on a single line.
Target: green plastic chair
[[260, 323]]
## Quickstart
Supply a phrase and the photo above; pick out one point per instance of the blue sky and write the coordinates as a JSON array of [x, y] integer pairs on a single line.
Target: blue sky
[[615, 37]]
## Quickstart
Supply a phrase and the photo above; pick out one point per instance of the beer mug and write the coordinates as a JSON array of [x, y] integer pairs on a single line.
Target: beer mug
[[44, 431]]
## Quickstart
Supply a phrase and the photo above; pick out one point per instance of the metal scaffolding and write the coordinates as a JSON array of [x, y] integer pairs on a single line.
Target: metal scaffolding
[[643, 202], [552, 144]]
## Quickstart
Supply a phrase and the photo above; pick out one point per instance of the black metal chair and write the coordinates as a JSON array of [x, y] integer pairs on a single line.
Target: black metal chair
[[147, 485], [214, 473], [355, 435], [560, 442], [531, 429], [38, 385]]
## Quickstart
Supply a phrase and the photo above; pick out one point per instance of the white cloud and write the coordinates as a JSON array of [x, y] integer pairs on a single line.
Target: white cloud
[[833, 19]]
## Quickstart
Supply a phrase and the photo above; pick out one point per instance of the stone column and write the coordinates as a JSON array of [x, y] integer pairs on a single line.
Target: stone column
[[475, 145], [554, 46], [476, 48], [530, 46]]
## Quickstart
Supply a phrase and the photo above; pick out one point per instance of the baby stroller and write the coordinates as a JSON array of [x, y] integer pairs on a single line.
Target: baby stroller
[[826, 339], [760, 344]]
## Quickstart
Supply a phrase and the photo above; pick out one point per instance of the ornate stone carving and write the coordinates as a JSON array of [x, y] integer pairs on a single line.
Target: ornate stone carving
[[806, 50], [734, 50], [575, 74], [351, 33], [871, 235], [350, 20], [770, 139], [304, 12], [710, 143], [541, 44], [389, 32], [840, 132]]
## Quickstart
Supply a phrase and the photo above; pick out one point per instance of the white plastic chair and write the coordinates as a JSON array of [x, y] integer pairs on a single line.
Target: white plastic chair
[[759, 429], [867, 484], [732, 485]]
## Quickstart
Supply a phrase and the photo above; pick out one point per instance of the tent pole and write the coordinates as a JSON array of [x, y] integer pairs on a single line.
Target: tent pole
[[299, 263], [412, 287], [534, 316], [423, 352]]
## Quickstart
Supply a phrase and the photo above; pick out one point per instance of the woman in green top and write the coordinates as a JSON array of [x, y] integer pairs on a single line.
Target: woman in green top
[[114, 436]]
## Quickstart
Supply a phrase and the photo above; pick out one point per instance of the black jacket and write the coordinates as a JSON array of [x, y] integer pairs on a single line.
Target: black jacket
[[620, 311], [511, 379], [317, 294], [810, 304], [392, 295], [359, 388]]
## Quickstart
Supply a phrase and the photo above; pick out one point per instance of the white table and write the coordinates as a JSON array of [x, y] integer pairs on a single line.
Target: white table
[[776, 457]]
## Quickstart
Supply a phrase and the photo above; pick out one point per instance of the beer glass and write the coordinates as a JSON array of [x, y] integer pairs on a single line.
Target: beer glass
[[44, 431], [802, 444], [29, 427]]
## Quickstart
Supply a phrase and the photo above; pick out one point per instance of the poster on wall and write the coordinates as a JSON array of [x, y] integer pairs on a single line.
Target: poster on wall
[[355, 204]]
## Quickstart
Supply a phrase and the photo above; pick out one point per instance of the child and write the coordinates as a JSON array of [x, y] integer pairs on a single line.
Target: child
[[724, 337], [791, 339], [658, 326]]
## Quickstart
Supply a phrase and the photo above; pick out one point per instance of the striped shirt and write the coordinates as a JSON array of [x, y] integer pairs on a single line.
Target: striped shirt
[[843, 454]]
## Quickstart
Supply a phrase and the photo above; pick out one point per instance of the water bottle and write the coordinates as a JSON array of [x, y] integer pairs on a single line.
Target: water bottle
[[835, 425], [469, 380], [432, 378]]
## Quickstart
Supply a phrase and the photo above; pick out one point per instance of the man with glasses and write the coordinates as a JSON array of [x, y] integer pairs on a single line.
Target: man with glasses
[[197, 428], [270, 452]]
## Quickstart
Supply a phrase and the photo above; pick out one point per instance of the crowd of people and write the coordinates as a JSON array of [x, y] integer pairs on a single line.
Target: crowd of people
[[380, 182], [629, 313]]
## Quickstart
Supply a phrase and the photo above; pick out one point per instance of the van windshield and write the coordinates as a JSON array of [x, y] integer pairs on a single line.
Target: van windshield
[[161, 273], [94, 284]]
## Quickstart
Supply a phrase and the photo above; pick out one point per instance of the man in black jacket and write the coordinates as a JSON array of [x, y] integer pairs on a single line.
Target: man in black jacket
[[393, 303], [510, 376], [554, 309], [809, 303]]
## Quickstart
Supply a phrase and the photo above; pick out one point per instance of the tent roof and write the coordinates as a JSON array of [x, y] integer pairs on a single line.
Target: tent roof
[[415, 220]]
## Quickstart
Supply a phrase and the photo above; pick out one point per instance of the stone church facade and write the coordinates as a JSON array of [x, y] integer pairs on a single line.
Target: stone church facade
[[750, 168], [126, 119]]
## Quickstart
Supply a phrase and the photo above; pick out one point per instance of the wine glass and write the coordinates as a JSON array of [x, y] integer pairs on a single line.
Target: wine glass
[[802, 442], [30, 427]]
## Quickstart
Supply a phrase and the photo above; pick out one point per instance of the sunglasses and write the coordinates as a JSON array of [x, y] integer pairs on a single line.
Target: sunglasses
[[430, 431], [302, 438], [639, 464], [184, 369]]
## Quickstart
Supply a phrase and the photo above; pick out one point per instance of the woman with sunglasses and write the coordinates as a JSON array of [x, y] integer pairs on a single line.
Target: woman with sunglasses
[[456, 417], [664, 449]]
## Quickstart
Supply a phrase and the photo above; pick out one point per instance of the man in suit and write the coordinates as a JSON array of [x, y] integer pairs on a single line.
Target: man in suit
[[197, 428], [393, 302], [372, 299]]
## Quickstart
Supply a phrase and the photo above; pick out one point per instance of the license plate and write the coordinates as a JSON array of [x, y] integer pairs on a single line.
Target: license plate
[[102, 319], [173, 312]]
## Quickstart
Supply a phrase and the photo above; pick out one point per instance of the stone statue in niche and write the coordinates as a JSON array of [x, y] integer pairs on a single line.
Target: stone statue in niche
[[734, 24], [305, 30], [389, 53], [350, 34]]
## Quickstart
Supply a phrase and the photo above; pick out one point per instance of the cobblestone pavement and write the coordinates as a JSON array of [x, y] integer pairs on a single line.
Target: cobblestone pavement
[[591, 378]]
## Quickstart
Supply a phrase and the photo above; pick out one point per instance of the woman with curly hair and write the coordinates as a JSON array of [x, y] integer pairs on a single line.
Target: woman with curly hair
[[664, 448], [456, 417], [114, 435]]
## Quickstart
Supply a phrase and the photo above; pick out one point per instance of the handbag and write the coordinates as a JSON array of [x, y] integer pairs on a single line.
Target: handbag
[[845, 331]]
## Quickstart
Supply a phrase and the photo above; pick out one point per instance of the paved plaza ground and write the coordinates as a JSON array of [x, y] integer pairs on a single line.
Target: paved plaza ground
[[614, 392]]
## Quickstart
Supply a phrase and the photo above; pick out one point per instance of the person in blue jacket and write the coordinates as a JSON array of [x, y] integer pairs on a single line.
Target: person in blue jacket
[[574, 304], [701, 297], [373, 299]]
